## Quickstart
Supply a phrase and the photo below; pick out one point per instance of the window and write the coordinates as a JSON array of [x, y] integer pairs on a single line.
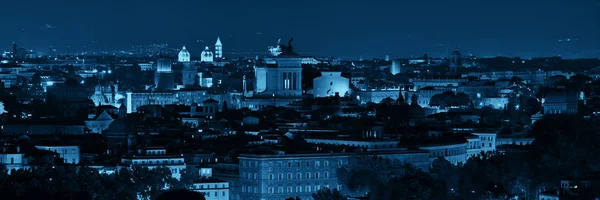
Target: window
[[243, 188], [317, 163], [308, 189], [298, 164], [307, 163], [289, 189], [299, 175], [326, 163], [289, 164], [482, 144], [280, 189], [280, 176], [271, 190], [249, 176], [223, 193], [326, 174], [340, 162], [255, 176], [255, 189], [270, 176], [317, 175], [289, 176], [307, 175]]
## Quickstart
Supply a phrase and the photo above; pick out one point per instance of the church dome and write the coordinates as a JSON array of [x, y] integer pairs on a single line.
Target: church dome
[[184, 55], [207, 55]]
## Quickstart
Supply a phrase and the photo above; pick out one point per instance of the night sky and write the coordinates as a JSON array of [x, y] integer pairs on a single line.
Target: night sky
[[343, 28]]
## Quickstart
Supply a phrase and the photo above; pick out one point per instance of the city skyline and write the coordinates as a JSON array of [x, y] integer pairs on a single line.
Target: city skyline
[[346, 30]]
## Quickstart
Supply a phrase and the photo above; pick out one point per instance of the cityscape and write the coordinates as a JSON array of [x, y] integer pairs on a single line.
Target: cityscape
[[276, 116]]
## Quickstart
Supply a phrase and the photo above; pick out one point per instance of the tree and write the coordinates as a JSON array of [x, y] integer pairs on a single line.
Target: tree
[[327, 194], [443, 170], [225, 108], [387, 101], [364, 173], [181, 194]]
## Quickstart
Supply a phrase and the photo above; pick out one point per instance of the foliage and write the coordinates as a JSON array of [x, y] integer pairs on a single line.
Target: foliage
[[328, 194], [72, 182], [449, 98]]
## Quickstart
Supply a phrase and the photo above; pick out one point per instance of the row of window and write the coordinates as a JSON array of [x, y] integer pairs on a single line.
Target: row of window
[[216, 194], [164, 162], [288, 189], [201, 186], [290, 176], [291, 163]]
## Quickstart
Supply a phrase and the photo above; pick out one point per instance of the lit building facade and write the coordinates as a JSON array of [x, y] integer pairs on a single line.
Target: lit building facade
[[218, 48], [69, 154], [330, 84], [152, 157], [184, 55], [265, 177], [395, 67], [207, 55]]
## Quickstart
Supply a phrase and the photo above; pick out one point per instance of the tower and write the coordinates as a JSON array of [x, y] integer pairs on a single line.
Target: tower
[[455, 62], [244, 86], [218, 48], [188, 74], [395, 68]]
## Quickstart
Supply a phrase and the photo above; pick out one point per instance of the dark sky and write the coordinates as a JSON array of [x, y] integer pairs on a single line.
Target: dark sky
[[345, 28]]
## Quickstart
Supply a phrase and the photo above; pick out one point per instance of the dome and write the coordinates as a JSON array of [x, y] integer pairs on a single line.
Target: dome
[[207, 55], [184, 55]]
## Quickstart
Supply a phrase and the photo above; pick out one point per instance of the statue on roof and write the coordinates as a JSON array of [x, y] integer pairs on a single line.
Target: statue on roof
[[287, 49]]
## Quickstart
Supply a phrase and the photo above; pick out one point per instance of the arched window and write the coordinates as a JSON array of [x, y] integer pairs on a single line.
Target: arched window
[[307, 175], [308, 189], [270, 176], [326, 174], [289, 176]]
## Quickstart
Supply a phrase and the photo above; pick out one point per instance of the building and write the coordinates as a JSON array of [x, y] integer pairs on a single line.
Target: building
[[184, 55], [207, 55], [455, 62], [69, 154], [152, 157], [265, 177], [560, 101], [211, 188], [142, 98], [12, 160], [281, 79], [188, 74], [330, 84]]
